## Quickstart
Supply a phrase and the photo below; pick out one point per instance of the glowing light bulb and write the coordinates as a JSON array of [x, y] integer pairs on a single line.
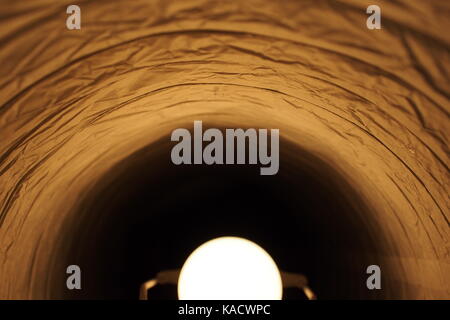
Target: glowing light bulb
[[230, 268]]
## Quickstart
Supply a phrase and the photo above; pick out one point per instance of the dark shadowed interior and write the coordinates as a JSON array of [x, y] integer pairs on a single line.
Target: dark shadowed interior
[[147, 215]]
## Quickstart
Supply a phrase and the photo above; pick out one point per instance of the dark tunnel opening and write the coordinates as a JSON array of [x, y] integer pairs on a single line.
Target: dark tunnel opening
[[147, 215]]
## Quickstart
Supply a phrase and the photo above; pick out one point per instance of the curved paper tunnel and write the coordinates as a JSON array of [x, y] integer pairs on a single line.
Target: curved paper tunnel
[[86, 117]]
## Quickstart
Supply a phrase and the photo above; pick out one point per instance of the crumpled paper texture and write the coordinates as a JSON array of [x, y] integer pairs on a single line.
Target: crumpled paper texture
[[375, 104]]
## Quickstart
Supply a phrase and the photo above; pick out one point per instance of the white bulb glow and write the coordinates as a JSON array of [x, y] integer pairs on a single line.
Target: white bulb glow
[[230, 268]]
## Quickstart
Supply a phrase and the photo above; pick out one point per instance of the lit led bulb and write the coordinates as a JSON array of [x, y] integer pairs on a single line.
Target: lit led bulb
[[230, 268]]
